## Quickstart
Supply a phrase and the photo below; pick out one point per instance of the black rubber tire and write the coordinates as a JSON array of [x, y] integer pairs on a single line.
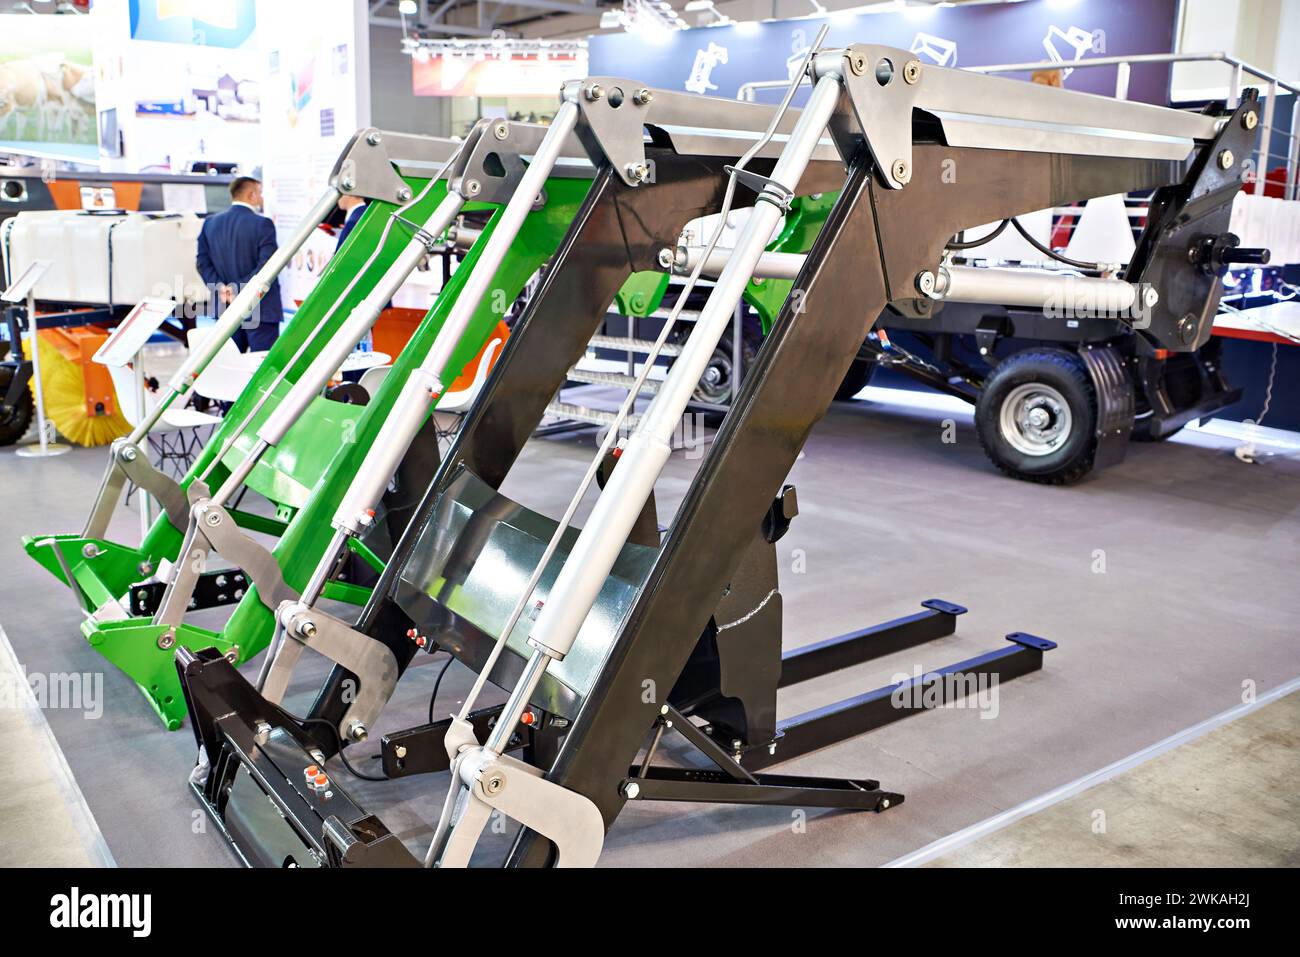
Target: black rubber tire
[[856, 379], [1063, 371], [722, 361], [15, 422]]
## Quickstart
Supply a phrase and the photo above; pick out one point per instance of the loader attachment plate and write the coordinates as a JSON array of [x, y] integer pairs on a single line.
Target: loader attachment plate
[[471, 562]]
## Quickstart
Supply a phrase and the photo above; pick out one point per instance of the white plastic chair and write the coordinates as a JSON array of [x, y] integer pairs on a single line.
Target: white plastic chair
[[227, 375], [449, 413], [373, 378]]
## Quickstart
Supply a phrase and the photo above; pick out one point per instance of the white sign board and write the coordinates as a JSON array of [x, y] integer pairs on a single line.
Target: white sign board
[[126, 341], [23, 285]]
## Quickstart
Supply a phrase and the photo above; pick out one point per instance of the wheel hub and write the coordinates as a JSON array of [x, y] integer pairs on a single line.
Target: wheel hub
[[715, 384], [1035, 419]]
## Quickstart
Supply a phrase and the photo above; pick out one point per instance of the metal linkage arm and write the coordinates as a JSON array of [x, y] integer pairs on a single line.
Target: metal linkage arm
[[506, 179], [618, 507], [426, 382], [368, 166], [616, 111], [886, 84]]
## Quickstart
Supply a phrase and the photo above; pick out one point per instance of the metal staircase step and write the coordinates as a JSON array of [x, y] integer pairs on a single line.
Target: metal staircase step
[[642, 346], [580, 413], [620, 380]]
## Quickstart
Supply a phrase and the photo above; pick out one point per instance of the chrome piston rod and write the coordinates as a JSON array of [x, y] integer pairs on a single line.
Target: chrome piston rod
[[616, 510], [340, 345], [239, 309], [424, 385], [199, 359], [1051, 292], [427, 382]]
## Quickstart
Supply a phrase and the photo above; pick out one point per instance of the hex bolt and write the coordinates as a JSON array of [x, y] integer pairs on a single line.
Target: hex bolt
[[925, 282], [307, 628], [667, 258], [593, 92], [213, 519], [348, 183], [631, 790], [220, 581], [494, 783], [167, 640], [472, 187], [1226, 159], [1150, 296], [374, 139], [901, 171], [501, 131], [233, 655], [912, 71], [357, 731], [1187, 327], [404, 194], [89, 550], [637, 172], [857, 63], [145, 569], [1250, 119], [128, 454], [884, 803], [400, 751]]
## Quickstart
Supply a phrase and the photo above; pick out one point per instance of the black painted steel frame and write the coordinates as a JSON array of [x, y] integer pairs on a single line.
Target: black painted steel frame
[[874, 242]]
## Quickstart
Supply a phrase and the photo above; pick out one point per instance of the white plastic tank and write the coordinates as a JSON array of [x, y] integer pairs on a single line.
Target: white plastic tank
[[152, 254]]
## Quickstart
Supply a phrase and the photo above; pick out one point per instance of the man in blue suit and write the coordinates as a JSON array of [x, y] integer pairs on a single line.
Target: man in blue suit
[[353, 207], [233, 246]]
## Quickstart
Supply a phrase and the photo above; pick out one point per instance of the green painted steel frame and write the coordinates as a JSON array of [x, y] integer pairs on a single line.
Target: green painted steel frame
[[102, 571]]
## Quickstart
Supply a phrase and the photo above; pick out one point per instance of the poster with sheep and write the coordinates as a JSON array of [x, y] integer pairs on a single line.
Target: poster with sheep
[[47, 88]]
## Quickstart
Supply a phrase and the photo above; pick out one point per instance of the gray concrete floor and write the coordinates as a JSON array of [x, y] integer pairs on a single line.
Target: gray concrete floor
[[1168, 581], [1227, 799], [46, 821]]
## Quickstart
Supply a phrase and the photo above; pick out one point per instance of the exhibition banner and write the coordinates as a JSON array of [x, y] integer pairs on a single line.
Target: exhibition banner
[[479, 72], [316, 95], [47, 88], [173, 99], [718, 60], [218, 23]]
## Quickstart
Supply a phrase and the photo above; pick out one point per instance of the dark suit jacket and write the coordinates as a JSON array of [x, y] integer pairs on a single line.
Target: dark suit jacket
[[349, 224], [233, 245]]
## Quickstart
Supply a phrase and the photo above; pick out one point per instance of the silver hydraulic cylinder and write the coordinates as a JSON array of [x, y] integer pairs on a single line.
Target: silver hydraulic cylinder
[[355, 327], [426, 382], [602, 537], [243, 304], [1054, 293]]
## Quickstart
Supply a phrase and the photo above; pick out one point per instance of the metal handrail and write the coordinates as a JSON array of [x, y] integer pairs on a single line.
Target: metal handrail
[[1123, 64]]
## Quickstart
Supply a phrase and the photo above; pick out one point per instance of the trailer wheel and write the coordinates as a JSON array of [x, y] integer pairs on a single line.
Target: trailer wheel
[[1036, 417], [856, 379], [15, 422], [716, 384]]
